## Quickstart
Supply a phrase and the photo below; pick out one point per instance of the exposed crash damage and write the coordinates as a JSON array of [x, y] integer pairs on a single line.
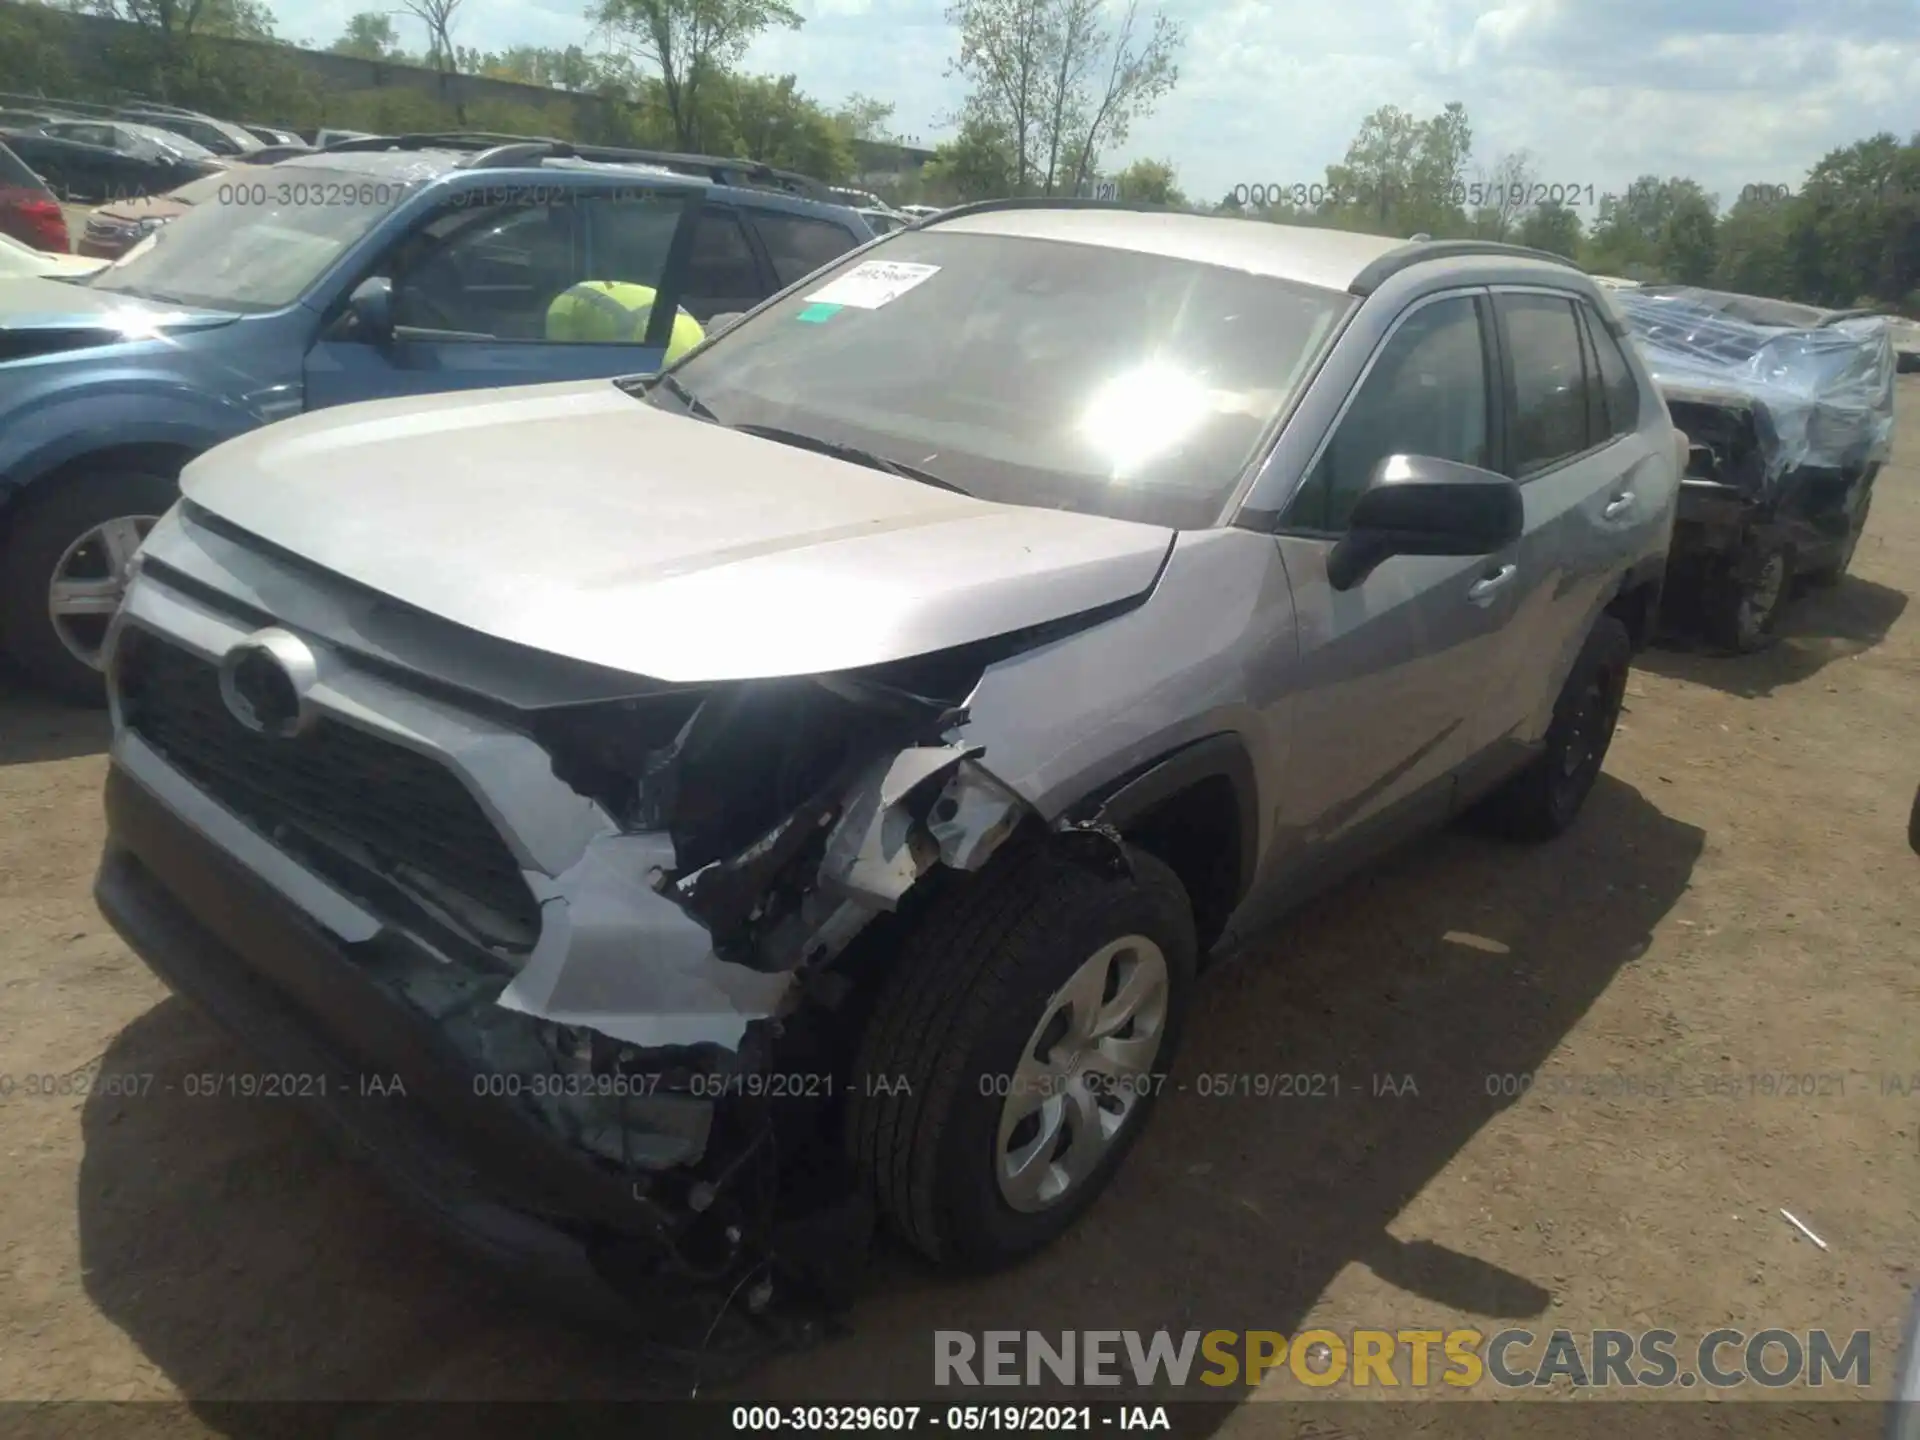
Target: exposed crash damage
[[676, 1005], [1789, 411]]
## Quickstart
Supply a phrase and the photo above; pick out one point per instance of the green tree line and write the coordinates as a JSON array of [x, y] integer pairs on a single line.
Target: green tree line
[[1847, 234]]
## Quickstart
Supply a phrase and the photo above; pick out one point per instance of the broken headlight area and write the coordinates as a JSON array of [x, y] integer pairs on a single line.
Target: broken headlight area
[[754, 783]]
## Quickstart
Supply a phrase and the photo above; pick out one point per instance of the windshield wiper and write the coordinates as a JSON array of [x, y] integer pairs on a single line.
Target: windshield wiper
[[854, 453], [695, 405]]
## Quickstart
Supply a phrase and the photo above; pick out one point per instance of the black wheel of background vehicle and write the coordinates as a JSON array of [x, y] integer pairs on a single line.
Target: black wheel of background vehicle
[[1017, 1047], [1742, 603], [1832, 574], [1543, 800], [65, 570]]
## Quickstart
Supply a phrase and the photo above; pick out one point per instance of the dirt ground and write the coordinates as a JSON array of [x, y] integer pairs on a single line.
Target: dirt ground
[[1737, 901]]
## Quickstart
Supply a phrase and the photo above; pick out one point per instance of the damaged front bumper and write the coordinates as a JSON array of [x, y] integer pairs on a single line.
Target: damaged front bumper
[[548, 992]]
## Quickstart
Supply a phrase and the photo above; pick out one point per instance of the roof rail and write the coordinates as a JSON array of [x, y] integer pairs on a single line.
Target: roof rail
[[1042, 202], [719, 169], [154, 107], [1419, 252], [496, 152], [448, 140]]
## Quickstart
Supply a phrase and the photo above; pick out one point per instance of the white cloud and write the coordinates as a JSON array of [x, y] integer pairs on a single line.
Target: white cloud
[[1727, 91]]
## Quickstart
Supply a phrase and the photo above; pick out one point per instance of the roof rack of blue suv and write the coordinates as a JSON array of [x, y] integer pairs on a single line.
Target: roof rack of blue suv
[[496, 151]]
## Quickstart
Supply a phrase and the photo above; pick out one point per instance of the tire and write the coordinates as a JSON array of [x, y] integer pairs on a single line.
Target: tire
[[1743, 601], [1544, 799], [1828, 576], [45, 540], [967, 998]]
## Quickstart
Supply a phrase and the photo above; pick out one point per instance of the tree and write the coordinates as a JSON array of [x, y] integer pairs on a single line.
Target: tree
[[1550, 226], [861, 117], [1854, 229], [1003, 56], [688, 42], [980, 163], [369, 36], [245, 19], [1138, 73], [438, 17], [1752, 246], [1688, 239], [1499, 196], [1657, 227], [1150, 182], [1402, 175], [772, 121], [1059, 82]]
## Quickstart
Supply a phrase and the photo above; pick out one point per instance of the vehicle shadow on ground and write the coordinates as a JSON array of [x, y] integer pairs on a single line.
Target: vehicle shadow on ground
[[1820, 627], [34, 728], [247, 1262]]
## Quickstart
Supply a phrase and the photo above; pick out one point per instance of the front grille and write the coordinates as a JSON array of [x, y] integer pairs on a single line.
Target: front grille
[[336, 782]]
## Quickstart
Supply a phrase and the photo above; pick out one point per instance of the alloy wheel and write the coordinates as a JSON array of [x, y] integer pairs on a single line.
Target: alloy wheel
[[90, 581]]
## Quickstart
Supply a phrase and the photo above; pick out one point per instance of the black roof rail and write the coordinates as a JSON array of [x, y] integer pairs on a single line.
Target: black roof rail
[[719, 169], [438, 140], [154, 107], [1419, 252], [490, 151], [1046, 202]]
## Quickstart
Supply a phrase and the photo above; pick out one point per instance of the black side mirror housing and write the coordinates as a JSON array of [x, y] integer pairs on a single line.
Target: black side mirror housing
[[1419, 505], [371, 306]]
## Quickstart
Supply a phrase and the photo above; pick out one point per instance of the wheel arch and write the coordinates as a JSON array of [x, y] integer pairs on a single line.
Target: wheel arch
[[1196, 809], [162, 452]]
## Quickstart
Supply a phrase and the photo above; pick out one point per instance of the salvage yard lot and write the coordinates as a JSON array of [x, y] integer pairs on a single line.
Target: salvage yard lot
[[1736, 904]]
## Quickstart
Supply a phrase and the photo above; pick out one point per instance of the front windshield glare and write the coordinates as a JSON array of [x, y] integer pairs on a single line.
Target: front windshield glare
[[1031, 371], [254, 244]]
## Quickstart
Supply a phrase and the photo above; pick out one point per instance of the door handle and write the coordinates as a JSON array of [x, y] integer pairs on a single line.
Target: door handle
[[1618, 506], [1485, 589]]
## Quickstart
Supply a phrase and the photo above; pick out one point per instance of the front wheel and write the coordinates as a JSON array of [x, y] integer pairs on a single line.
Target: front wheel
[[65, 571], [1830, 575], [1017, 1048], [1745, 599]]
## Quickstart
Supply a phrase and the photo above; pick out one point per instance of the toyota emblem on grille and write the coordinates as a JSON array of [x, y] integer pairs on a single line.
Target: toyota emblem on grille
[[266, 679]]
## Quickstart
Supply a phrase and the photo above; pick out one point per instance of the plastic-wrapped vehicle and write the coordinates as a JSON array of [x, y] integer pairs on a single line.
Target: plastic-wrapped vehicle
[[1789, 410]]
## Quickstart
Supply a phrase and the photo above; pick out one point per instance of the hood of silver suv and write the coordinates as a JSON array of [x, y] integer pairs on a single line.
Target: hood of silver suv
[[578, 520]]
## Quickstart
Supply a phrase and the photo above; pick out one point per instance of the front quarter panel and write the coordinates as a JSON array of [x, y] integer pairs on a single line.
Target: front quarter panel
[[193, 390], [1211, 652]]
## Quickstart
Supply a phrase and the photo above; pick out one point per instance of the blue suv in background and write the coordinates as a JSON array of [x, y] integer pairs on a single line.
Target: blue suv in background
[[381, 267]]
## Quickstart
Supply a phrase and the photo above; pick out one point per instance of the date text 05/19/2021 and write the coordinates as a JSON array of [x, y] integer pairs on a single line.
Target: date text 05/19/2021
[[957, 1419]]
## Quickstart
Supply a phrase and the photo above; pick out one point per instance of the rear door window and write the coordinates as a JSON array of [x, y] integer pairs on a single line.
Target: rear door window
[[1621, 390], [723, 274], [799, 244], [1549, 418]]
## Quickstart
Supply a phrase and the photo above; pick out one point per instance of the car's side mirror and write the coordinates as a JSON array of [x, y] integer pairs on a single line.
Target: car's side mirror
[[1418, 505], [371, 306]]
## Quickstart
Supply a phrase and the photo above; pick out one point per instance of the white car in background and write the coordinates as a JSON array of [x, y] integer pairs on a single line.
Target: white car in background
[[17, 259]]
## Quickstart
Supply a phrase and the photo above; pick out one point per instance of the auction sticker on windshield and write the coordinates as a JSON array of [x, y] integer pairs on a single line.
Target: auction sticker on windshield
[[873, 283]]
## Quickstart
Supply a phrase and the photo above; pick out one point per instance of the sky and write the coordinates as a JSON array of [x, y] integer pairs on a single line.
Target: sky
[[1730, 92]]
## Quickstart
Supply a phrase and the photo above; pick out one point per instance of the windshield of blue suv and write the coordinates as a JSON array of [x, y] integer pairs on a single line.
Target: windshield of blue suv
[[257, 241], [1033, 372]]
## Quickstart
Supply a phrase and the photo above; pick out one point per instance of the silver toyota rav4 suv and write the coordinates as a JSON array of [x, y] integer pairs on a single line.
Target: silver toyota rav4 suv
[[673, 821]]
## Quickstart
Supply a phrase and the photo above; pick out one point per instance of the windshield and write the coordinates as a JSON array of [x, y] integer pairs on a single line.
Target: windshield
[[170, 141], [1033, 372], [258, 245]]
